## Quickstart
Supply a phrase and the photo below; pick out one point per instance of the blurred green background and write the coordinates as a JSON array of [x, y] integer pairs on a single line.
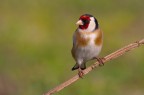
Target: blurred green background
[[36, 39]]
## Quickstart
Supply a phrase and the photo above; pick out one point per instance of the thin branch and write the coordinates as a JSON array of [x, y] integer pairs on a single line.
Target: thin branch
[[96, 64]]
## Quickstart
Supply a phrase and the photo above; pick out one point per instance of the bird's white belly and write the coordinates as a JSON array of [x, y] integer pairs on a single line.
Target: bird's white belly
[[87, 53]]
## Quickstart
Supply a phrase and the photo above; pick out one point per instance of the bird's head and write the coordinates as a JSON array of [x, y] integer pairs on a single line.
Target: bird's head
[[87, 22]]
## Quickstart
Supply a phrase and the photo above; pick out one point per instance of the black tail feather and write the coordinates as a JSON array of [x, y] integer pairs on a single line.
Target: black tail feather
[[76, 66]]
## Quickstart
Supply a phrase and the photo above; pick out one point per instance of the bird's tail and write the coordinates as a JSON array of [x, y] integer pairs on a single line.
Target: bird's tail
[[76, 66]]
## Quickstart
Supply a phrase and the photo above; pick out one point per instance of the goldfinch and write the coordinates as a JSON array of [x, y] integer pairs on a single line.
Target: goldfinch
[[87, 42]]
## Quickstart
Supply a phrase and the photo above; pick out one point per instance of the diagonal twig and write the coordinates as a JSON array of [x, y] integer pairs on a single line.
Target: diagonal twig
[[109, 57]]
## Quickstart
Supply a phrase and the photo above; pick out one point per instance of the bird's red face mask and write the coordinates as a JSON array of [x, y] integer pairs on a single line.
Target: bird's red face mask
[[83, 22]]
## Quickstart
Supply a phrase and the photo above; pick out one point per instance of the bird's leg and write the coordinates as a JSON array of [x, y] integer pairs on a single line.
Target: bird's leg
[[80, 72], [101, 63]]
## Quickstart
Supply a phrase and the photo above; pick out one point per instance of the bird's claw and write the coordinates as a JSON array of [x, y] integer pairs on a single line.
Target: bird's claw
[[80, 73], [100, 60]]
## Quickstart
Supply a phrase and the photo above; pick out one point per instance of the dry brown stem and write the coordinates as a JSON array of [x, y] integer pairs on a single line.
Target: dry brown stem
[[96, 64]]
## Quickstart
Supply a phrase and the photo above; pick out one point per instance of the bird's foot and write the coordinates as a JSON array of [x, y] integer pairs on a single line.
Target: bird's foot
[[100, 60], [80, 73]]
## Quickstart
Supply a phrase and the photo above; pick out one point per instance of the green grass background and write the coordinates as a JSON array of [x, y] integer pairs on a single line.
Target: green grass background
[[36, 39]]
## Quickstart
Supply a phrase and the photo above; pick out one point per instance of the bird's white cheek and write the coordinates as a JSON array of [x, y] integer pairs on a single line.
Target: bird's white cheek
[[91, 25]]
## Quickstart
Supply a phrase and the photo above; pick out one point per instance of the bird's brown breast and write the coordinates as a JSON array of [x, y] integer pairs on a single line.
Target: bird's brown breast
[[98, 39], [81, 40]]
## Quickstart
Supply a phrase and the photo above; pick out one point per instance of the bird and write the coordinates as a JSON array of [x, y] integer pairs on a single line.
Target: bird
[[87, 42]]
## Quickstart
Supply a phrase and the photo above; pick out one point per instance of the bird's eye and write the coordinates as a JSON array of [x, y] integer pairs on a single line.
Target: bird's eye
[[86, 21]]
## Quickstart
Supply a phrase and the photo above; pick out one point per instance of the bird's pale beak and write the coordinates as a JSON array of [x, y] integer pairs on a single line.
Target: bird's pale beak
[[79, 22]]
